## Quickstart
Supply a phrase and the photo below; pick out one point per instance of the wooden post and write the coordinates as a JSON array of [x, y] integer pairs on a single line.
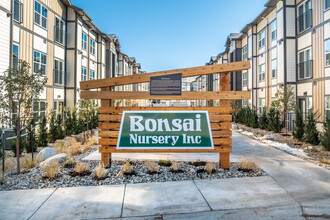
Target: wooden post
[[106, 157], [223, 103]]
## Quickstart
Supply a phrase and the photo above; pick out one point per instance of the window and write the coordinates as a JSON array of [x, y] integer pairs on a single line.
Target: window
[[261, 39], [40, 14], [309, 105], [92, 47], [274, 68], [305, 64], [261, 106], [244, 78], [58, 72], [245, 52], [304, 19], [83, 41], [39, 62], [327, 52], [39, 108], [327, 4], [327, 107], [91, 75], [261, 72], [83, 74], [15, 56], [244, 102], [273, 30], [59, 30], [58, 107], [17, 11]]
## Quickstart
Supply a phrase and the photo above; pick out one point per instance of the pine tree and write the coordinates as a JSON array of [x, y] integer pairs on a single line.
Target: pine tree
[[58, 125], [52, 136], [75, 121], [311, 133], [298, 132], [42, 136], [68, 123], [31, 144], [253, 118], [263, 121], [325, 138], [274, 120], [1, 143]]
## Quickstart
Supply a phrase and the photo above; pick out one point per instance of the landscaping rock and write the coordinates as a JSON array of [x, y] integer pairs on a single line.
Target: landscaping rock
[[235, 126], [45, 153], [270, 137], [60, 158]]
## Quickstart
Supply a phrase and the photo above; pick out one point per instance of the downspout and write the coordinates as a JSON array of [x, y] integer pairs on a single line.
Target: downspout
[[11, 33]]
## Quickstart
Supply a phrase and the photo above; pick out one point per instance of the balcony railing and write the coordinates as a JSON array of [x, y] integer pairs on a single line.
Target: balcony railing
[[58, 77], [304, 21], [18, 11], [305, 69], [59, 35]]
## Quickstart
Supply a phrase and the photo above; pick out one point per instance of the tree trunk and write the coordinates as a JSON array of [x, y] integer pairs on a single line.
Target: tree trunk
[[17, 144]]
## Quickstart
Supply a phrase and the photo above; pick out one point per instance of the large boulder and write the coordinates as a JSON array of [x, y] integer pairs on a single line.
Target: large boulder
[[60, 158], [270, 137], [45, 153]]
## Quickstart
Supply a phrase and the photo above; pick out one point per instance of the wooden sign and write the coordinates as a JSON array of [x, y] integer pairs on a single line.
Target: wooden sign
[[165, 130]]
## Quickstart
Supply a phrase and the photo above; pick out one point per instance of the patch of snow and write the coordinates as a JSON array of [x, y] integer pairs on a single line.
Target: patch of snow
[[247, 133], [287, 148]]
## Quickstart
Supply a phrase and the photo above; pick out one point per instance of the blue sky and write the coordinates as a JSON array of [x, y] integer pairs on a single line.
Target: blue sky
[[171, 34]]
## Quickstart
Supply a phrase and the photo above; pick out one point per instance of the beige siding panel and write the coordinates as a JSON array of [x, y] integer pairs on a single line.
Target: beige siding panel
[[317, 6], [280, 64], [304, 41], [290, 22], [305, 87], [71, 14], [280, 25], [57, 6], [51, 25], [26, 50], [59, 52], [50, 99], [70, 68], [28, 14], [70, 97], [71, 27], [291, 61]]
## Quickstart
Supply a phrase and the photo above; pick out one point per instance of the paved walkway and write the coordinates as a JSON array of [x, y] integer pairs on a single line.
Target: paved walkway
[[295, 189]]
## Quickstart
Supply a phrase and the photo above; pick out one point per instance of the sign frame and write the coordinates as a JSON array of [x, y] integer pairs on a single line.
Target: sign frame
[[209, 130]]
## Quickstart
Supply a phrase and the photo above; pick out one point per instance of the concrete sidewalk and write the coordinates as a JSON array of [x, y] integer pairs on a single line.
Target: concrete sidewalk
[[295, 189]]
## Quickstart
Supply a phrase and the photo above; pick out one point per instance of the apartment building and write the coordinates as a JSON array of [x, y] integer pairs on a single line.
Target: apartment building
[[61, 41], [287, 43]]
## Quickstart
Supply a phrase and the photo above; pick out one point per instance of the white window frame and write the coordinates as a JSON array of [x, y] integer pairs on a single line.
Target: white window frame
[[327, 53], [261, 105], [92, 75], [309, 104], [92, 46], [17, 45], [326, 106], [83, 41], [245, 103], [63, 31], [273, 30], [39, 113], [245, 52], [325, 5], [303, 4], [40, 64], [261, 73], [310, 59], [57, 105], [41, 15], [261, 38], [274, 68], [83, 73], [61, 73], [244, 78]]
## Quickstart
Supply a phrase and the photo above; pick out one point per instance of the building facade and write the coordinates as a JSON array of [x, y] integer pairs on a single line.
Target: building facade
[[287, 43]]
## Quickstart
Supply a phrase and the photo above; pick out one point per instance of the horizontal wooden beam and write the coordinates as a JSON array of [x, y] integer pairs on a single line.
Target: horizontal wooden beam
[[216, 141], [117, 118], [187, 72], [217, 149], [105, 95], [110, 110], [114, 134], [214, 125]]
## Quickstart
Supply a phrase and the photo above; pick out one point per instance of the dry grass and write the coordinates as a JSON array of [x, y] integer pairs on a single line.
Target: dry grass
[[209, 167], [248, 164], [69, 161], [100, 172], [28, 163], [90, 143], [127, 168], [60, 147], [80, 167], [52, 170], [175, 166], [10, 164], [73, 147], [10, 154], [79, 139], [153, 167], [323, 160]]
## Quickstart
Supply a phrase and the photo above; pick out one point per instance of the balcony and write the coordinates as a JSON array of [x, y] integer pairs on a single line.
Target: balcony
[[304, 21], [18, 11], [305, 69], [58, 77], [59, 35]]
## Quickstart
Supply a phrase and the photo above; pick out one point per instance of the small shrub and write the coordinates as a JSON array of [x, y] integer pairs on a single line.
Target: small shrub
[[80, 167], [263, 121], [253, 118], [325, 138], [90, 143], [60, 147], [209, 168], [175, 166], [127, 168], [52, 170], [165, 163], [298, 132], [153, 167], [248, 164], [31, 143], [274, 120], [100, 172], [311, 132], [52, 136], [21, 146], [69, 163], [68, 123], [42, 136], [28, 163], [73, 147], [9, 164], [79, 139]]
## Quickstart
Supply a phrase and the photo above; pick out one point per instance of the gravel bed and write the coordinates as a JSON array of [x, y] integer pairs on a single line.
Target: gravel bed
[[35, 178]]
